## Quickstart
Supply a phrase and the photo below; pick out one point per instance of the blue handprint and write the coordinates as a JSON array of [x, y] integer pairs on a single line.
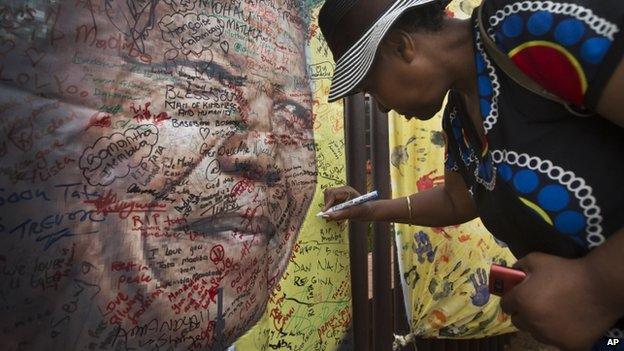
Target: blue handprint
[[422, 247], [482, 294]]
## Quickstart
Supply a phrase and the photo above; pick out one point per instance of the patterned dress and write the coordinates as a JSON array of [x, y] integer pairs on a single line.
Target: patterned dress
[[547, 177]]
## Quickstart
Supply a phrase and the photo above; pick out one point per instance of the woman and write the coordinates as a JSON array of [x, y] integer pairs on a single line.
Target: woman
[[543, 176]]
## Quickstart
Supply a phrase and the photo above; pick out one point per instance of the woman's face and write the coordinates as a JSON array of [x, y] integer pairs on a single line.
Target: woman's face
[[174, 187], [413, 85]]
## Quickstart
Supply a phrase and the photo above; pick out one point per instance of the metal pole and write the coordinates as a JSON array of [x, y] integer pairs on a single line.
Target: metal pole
[[382, 268], [401, 324], [355, 144]]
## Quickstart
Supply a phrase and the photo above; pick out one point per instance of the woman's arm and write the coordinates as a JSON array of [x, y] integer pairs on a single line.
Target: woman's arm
[[611, 104], [570, 303], [444, 205]]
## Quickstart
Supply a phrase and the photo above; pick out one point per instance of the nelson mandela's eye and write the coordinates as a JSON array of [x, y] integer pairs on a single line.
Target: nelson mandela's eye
[[294, 113]]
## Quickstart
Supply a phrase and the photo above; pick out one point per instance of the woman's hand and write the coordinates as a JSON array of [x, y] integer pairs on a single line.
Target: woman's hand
[[335, 196], [559, 302]]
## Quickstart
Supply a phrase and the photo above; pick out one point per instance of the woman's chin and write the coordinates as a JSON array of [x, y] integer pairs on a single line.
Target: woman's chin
[[418, 116], [426, 117], [421, 114]]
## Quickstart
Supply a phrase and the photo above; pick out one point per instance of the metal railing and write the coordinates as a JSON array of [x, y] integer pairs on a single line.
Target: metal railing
[[374, 331]]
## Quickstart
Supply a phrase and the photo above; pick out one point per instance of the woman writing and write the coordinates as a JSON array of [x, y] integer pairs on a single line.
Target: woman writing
[[534, 139]]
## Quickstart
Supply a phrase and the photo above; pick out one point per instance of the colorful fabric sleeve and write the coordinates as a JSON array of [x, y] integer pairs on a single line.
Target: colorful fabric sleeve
[[571, 48]]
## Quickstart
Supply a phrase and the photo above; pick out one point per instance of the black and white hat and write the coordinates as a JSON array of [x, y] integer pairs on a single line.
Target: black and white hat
[[353, 29]]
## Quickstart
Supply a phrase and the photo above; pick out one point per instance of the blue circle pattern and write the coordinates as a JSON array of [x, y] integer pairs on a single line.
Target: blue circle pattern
[[513, 26], [568, 31], [484, 166], [484, 83], [594, 49], [486, 106], [569, 222], [526, 181], [505, 172], [485, 86], [591, 49], [553, 198], [540, 23], [466, 152]]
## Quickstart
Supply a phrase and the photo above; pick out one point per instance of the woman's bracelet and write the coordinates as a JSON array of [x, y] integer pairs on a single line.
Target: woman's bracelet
[[409, 206]]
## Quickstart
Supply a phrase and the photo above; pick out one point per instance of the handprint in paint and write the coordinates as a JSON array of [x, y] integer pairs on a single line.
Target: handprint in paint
[[423, 248], [482, 294], [445, 291]]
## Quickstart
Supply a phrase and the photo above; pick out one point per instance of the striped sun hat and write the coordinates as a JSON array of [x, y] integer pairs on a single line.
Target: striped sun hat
[[353, 29]]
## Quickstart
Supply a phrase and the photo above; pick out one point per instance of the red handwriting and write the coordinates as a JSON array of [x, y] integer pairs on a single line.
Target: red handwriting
[[295, 251], [133, 279], [248, 220], [122, 307], [144, 114], [244, 285], [340, 320], [342, 291], [217, 253], [242, 186], [41, 154], [150, 232], [96, 121], [279, 319], [193, 295], [108, 203], [111, 306]]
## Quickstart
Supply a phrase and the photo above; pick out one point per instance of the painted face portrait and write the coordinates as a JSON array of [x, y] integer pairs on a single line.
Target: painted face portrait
[[157, 162]]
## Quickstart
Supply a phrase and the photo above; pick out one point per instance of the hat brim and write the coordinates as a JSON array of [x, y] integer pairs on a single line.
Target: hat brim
[[353, 66]]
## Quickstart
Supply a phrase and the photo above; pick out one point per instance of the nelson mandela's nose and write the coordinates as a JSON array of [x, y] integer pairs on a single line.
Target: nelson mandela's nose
[[251, 155]]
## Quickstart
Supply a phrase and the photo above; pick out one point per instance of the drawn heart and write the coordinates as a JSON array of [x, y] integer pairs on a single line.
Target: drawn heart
[[193, 56], [204, 132], [6, 45], [34, 55], [225, 46], [21, 135], [202, 61]]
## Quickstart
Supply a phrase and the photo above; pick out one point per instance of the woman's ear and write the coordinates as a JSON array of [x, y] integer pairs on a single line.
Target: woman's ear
[[401, 43]]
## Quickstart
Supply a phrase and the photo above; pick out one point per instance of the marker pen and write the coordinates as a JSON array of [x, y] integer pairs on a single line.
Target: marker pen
[[353, 202]]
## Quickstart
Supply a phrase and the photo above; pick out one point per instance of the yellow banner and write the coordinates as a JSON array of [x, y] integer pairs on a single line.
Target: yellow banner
[[311, 307]]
